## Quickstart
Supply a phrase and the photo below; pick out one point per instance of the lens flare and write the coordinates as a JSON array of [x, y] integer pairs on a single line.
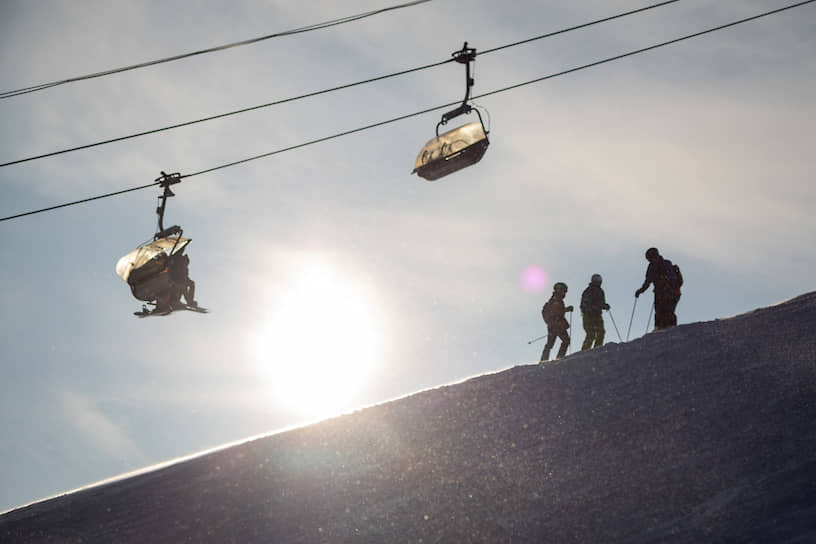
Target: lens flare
[[534, 279]]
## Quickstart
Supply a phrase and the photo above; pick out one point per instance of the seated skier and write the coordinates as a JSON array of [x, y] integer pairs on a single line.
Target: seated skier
[[178, 268]]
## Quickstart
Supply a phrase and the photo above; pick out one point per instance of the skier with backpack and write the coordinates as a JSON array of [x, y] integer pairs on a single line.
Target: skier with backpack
[[557, 325], [667, 280], [593, 302]]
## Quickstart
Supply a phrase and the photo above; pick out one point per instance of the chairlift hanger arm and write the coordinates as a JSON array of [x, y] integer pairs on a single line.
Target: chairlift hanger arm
[[166, 180], [465, 56]]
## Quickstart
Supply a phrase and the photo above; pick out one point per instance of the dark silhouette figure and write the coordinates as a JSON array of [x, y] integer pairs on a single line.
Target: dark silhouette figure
[[557, 325], [662, 275], [178, 268], [593, 302]]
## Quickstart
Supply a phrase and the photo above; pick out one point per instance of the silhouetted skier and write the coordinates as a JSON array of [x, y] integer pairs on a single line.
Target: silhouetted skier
[[179, 266], [667, 280], [593, 303], [557, 325]]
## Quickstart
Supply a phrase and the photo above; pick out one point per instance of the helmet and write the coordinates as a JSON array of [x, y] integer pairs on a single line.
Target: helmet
[[596, 278], [560, 286], [652, 253]]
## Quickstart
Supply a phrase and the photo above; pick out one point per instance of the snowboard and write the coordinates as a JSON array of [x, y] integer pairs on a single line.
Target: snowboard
[[147, 313]]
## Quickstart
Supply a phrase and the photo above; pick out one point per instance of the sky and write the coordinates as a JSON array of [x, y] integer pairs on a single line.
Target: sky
[[336, 279]]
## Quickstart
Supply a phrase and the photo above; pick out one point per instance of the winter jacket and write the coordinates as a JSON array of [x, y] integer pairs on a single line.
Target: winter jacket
[[655, 275], [593, 300], [553, 314]]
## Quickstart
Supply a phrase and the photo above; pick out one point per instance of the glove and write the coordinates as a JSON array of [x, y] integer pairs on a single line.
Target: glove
[[568, 309], [606, 306], [637, 293]]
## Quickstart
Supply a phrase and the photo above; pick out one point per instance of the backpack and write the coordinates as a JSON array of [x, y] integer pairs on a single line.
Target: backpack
[[549, 312], [552, 315], [546, 311], [672, 275]]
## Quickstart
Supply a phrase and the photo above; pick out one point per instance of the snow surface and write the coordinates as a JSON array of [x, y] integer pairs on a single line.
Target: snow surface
[[701, 433]]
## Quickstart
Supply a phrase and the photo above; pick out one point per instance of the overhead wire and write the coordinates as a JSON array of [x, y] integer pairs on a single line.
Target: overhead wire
[[329, 90], [308, 28], [644, 49], [220, 115], [505, 89], [428, 110], [576, 27], [50, 208]]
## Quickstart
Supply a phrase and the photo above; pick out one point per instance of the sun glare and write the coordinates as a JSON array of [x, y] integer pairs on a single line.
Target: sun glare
[[320, 342]]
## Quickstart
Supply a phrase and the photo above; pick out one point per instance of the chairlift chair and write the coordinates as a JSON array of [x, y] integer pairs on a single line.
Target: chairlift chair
[[460, 147], [145, 269]]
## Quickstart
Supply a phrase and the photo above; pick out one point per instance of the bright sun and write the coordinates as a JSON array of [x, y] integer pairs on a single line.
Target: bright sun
[[320, 342]]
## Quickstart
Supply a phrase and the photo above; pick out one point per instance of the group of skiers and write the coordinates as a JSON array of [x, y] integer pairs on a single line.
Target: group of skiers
[[662, 273]]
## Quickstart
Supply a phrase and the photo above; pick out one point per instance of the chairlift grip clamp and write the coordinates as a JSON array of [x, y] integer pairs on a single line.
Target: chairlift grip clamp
[[166, 180], [464, 55]]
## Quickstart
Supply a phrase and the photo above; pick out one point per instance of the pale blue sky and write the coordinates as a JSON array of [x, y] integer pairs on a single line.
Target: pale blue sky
[[335, 278]]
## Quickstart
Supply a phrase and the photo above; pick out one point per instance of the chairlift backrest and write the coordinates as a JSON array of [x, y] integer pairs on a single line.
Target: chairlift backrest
[[148, 254], [145, 268]]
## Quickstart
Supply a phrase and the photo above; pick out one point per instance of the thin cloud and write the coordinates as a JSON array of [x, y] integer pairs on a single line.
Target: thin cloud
[[98, 429]]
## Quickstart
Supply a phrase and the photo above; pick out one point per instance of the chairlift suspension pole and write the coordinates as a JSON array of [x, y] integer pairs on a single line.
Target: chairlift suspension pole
[[166, 180], [465, 56]]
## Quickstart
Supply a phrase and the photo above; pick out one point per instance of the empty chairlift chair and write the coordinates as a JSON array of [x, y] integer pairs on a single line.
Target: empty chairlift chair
[[460, 147]]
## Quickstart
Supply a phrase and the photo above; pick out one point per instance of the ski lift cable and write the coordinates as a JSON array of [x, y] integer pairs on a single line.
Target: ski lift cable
[[319, 140], [220, 115], [308, 28], [504, 89], [577, 27], [644, 49], [318, 26], [316, 93], [79, 201], [415, 114]]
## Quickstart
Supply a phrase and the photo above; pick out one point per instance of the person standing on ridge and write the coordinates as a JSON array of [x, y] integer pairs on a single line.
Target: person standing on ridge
[[593, 302], [667, 279], [557, 325]]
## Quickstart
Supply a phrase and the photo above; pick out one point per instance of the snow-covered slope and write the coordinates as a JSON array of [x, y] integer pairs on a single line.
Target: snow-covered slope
[[702, 433]]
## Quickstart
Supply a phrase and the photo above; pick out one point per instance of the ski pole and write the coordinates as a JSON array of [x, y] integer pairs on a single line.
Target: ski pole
[[616, 325], [630, 319], [537, 339], [650, 319], [569, 346]]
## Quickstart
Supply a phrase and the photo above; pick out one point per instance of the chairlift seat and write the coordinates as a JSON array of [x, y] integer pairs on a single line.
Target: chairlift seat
[[152, 287], [451, 151], [145, 268]]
